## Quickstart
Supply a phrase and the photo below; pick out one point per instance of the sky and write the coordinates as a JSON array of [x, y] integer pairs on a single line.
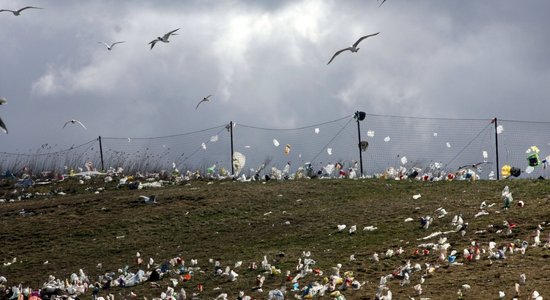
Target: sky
[[265, 63]]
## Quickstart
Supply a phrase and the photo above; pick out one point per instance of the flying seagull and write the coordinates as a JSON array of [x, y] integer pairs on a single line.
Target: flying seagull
[[205, 99], [110, 47], [381, 3], [18, 12], [3, 101], [73, 121], [352, 48], [164, 38], [3, 126]]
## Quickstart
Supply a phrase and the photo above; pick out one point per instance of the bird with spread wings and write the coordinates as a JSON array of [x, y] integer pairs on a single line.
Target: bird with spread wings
[[18, 12], [73, 121], [353, 48], [205, 99]]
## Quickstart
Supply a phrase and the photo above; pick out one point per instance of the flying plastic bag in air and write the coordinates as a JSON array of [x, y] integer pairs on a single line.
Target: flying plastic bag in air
[[448, 145], [239, 161], [370, 133], [329, 151], [275, 143], [203, 145], [387, 139], [287, 149], [317, 130]]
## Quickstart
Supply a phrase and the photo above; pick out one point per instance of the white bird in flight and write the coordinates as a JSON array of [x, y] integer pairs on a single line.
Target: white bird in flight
[[353, 48], [73, 121], [164, 38], [205, 99], [18, 12], [110, 47], [3, 101]]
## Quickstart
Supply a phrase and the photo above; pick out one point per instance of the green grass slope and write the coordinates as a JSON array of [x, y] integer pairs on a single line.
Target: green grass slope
[[230, 221]]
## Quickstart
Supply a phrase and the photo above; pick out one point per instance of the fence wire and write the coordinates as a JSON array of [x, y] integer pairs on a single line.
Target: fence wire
[[423, 144]]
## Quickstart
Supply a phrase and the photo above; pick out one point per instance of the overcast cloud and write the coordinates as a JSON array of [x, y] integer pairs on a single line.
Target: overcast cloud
[[265, 62]]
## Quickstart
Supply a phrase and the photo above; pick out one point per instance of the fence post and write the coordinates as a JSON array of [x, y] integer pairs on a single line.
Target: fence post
[[496, 147], [101, 153], [231, 135], [360, 116]]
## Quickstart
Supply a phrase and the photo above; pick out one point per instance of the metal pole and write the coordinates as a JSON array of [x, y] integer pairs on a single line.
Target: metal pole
[[101, 153], [231, 134], [496, 148], [359, 144]]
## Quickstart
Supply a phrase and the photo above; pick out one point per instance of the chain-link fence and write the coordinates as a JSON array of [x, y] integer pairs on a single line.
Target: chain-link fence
[[424, 145]]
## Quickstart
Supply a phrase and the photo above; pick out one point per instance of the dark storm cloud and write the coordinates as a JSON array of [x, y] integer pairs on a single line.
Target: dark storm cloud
[[265, 64]]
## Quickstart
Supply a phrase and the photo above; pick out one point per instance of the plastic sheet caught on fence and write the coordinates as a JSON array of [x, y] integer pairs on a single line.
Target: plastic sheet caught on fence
[[381, 142]]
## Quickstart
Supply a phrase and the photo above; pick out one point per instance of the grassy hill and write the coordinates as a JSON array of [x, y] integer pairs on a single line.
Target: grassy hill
[[227, 221]]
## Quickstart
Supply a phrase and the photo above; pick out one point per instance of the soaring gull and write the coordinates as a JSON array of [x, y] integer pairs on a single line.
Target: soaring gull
[[110, 47], [73, 121], [352, 48], [18, 12], [164, 38], [205, 99]]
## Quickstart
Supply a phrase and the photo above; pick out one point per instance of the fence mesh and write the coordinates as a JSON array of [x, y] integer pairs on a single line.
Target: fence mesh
[[425, 144]]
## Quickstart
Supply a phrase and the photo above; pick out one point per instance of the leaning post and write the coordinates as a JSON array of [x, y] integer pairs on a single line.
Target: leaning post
[[360, 116], [101, 153], [496, 147], [231, 135]]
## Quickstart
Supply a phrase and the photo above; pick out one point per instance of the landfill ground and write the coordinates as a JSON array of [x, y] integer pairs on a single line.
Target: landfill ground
[[99, 227]]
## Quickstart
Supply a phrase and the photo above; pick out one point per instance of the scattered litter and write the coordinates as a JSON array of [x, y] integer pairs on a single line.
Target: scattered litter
[[507, 197], [370, 228], [148, 199], [287, 149]]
